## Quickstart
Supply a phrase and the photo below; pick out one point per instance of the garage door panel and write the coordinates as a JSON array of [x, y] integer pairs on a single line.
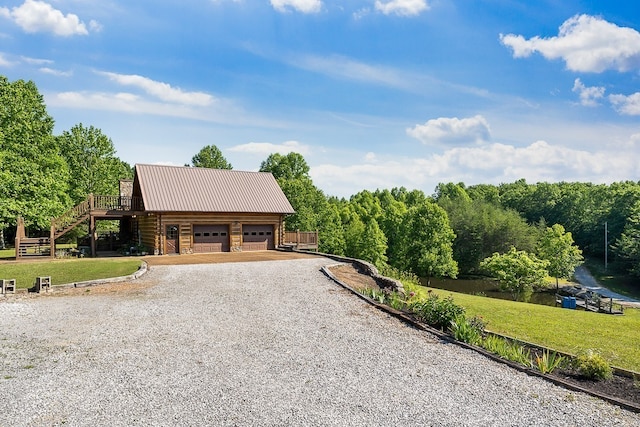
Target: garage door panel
[[257, 237], [210, 238]]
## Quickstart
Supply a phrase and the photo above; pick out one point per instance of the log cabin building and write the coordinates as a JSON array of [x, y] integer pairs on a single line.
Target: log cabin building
[[199, 210], [180, 210]]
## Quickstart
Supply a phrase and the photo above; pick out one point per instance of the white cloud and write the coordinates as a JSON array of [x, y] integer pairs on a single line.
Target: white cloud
[[161, 90], [586, 44], [452, 130], [489, 164], [4, 62], [589, 96], [402, 7], [628, 105], [35, 16], [55, 72], [343, 67], [36, 61], [263, 148], [304, 6]]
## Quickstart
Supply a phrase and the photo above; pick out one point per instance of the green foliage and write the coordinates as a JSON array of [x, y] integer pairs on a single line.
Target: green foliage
[[557, 248], [482, 228], [548, 361], [467, 330], [210, 157], [425, 240], [628, 244], [289, 166], [507, 350], [437, 312], [33, 176], [517, 271], [593, 366], [93, 165]]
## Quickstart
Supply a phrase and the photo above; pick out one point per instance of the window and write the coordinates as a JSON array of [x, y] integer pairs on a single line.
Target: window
[[261, 233], [197, 234], [206, 234], [172, 232], [214, 234], [224, 233], [253, 233], [246, 233], [268, 233]]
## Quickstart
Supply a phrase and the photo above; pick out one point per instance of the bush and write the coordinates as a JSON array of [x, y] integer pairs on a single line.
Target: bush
[[437, 312], [549, 361], [467, 330], [593, 366]]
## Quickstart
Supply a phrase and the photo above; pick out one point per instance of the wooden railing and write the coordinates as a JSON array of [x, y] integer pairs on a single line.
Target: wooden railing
[[68, 220], [301, 239]]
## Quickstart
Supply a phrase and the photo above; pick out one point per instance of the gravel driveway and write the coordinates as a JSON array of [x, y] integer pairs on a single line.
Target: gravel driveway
[[255, 344]]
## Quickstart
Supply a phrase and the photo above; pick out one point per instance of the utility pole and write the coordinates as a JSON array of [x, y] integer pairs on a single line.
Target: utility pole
[[606, 245]]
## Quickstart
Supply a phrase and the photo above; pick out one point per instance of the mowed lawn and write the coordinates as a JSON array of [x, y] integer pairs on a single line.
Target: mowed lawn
[[67, 270], [615, 337]]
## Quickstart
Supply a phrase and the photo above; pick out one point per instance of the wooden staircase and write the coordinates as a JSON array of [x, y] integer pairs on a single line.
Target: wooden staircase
[[115, 207]]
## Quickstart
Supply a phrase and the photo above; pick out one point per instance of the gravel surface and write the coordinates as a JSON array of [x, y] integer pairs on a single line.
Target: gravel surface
[[255, 344]]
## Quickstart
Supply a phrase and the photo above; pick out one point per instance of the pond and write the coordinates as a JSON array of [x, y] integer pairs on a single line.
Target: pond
[[488, 288]]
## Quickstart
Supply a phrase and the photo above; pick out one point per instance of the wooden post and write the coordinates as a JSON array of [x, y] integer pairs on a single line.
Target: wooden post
[[92, 232], [52, 238]]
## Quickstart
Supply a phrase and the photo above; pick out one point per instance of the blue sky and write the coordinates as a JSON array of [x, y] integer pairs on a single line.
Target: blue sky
[[373, 93]]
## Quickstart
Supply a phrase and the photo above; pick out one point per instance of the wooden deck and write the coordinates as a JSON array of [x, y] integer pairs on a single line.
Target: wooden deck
[[595, 304], [302, 240]]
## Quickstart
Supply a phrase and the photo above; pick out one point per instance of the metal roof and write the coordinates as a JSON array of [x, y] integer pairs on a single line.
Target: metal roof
[[190, 189]]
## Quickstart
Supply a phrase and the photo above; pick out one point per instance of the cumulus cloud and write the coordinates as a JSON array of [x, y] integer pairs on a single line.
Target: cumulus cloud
[[589, 96], [160, 90], [586, 44], [489, 163], [266, 148], [402, 7], [628, 105], [304, 6], [447, 130], [35, 16]]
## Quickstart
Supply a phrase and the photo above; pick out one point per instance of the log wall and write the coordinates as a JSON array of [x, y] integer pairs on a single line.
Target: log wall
[[153, 228]]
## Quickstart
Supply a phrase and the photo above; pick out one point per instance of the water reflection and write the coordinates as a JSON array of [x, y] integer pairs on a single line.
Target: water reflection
[[488, 288]]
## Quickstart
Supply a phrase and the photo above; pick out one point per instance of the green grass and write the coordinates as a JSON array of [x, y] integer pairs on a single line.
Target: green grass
[[616, 338], [67, 270]]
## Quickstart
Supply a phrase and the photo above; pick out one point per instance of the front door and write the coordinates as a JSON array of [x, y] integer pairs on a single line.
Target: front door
[[171, 240]]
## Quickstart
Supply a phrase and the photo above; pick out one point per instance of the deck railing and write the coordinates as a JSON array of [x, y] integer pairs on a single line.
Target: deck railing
[[301, 239]]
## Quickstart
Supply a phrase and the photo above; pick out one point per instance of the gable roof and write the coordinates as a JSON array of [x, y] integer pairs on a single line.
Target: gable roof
[[190, 189]]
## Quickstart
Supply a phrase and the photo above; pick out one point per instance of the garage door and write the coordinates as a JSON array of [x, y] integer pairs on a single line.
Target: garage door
[[210, 238], [257, 237]]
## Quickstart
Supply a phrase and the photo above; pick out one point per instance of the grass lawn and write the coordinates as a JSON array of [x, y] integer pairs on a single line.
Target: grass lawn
[[616, 338], [68, 270]]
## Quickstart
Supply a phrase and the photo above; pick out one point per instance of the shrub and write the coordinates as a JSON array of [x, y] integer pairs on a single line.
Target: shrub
[[549, 361], [437, 312], [593, 366], [467, 330]]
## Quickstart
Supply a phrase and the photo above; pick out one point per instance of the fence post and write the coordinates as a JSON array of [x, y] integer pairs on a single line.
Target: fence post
[[52, 238]]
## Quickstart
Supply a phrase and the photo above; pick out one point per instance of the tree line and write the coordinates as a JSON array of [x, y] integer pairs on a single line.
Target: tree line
[[457, 230]]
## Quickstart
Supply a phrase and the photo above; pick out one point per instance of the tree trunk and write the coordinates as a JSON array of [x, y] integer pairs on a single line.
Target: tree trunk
[[2, 245]]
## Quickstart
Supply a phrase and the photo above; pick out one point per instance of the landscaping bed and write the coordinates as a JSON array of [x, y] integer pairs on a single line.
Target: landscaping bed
[[623, 388]]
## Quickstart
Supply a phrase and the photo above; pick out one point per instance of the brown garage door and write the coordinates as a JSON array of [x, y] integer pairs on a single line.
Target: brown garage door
[[257, 237], [210, 238]]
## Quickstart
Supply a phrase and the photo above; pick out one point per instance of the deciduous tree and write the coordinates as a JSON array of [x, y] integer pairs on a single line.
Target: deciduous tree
[[33, 175], [557, 248], [518, 271], [210, 157], [93, 165]]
